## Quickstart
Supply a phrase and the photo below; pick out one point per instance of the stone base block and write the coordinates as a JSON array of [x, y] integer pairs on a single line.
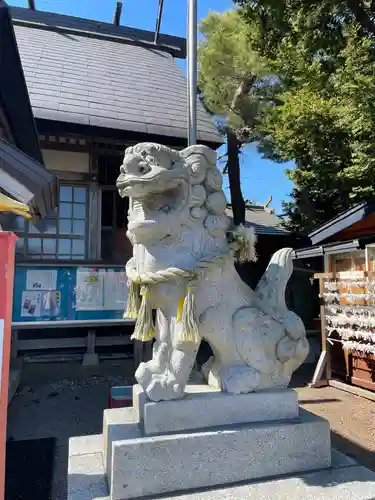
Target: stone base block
[[167, 463], [118, 424], [207, 407]]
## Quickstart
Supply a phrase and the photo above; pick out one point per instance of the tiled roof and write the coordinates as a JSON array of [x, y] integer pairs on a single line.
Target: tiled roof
[[263, 219], [88, 27], [99, 74]]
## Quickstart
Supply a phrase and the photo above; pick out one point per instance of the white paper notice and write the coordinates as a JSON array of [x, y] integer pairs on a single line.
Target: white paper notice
[[115, 291], [89, 290], [31, 304], [51, 303], [41, 280]]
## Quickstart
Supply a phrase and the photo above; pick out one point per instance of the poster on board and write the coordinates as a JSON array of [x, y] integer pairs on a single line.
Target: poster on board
[[89, 289], [41, 279], [51, 304], [115, 291], [40, 304], [101, 290], [31, 304]]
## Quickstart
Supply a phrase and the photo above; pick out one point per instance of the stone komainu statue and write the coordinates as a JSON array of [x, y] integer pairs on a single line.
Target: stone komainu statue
[[184, 250]]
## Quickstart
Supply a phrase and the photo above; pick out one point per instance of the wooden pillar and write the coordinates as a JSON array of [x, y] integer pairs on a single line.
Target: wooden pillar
[[323, 326]]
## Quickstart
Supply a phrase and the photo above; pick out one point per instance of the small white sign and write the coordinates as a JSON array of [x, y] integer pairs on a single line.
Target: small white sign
[[41, 280]]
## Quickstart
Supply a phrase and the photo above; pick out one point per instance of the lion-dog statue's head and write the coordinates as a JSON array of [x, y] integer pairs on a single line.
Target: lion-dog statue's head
[[170, 189]]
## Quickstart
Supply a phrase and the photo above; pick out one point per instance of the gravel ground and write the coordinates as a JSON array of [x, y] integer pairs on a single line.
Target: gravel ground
[[66, 400], [352, 420], [73, 406]]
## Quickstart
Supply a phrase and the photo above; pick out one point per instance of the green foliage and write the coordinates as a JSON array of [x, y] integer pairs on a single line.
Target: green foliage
[[228, 61], [311, 65]]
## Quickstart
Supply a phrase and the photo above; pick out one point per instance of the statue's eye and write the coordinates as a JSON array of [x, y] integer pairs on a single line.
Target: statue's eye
[[150, 159]]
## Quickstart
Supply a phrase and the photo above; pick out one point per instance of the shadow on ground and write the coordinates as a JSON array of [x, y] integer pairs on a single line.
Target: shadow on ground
[[353, 450]]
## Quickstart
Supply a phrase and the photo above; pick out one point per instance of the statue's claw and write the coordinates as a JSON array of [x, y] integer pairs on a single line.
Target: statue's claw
[[145, 372], [164, 387]]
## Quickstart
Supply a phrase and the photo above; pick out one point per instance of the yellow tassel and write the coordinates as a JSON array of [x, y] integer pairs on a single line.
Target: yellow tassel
[[180, 308], [189, 333], [144, 329], [133, 303], [16, 207]]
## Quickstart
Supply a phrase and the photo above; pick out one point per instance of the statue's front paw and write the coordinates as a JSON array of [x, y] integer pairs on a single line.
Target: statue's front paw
[[144, 374], [164, 388]]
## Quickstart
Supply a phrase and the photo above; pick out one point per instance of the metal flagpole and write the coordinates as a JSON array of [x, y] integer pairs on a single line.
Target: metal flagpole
[[192, 71]]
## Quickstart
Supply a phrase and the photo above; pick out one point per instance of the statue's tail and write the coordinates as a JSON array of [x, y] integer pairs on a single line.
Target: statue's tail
[[271, 287], [270, 293]]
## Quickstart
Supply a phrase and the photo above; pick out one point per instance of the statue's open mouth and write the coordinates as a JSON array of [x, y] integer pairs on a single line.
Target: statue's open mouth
[[149, 207]]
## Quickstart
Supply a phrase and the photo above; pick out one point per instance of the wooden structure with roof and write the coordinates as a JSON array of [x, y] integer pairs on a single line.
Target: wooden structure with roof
[[343, 250]]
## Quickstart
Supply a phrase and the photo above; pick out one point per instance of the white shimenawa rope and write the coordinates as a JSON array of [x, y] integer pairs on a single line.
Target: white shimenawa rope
[[144, 329]]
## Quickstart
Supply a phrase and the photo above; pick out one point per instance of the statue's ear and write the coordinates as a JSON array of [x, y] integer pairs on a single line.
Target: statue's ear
[[128, 150], [198, 149], [198, 158]]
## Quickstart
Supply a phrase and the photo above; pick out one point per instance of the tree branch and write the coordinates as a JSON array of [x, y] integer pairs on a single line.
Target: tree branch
[[242, 91], [361, 15], [234, 175], [220, 157]]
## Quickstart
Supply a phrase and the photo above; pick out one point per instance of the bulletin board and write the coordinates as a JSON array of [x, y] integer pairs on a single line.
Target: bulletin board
[[68, 293]]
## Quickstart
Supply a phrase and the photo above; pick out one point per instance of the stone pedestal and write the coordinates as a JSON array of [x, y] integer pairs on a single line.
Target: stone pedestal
[[168, 463], [208, 439]]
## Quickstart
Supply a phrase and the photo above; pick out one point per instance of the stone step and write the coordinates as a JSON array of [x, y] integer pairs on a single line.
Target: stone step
[[206, 407], [118, 424], [167, 463]]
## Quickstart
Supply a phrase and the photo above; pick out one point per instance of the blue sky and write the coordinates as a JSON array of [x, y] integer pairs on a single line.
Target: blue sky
[[260, 178]]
